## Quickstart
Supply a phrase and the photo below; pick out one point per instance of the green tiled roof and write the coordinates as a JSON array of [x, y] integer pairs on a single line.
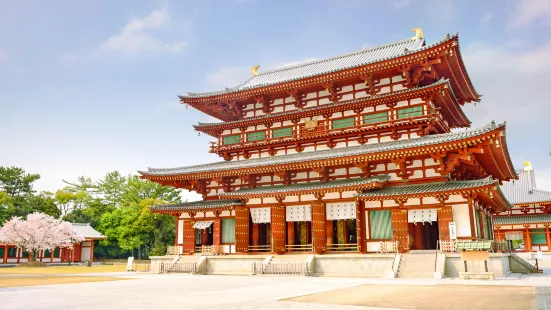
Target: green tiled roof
[[197, 205], [522, 219], [307, 186], [449, 186]]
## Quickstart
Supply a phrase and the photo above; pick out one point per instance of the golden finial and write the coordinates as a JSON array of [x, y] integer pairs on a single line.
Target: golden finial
[[254, 70], [418, 33], [527, 165]]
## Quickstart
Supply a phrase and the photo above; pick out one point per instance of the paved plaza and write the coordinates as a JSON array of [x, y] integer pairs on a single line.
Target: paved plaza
[[182, 291]]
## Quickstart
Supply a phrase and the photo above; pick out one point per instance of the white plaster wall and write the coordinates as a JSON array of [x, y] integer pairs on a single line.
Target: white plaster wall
[[180, 231], [462, 220]]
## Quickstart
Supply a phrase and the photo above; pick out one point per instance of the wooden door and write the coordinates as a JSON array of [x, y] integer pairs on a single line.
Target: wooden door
[[216, 232], [242, 230], [278, 228], [318, 227], [400, 229], [189, 237], [445, 216]]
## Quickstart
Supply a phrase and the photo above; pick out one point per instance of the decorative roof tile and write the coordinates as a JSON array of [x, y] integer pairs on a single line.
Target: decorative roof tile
[[429, 188], [327, 154], [197, 205], [523, 190], [310, 186], [522, 219], [329, 65]]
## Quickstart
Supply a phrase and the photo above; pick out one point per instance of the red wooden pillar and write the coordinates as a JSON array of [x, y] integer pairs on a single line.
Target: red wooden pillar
[[177, 218], [399, 220], [204, 236], [528, 242], [92, 251], [256, 234], [445, 216], [329, 231], [318, 227], [217, 232], [189, 237], [278, 228], [360, 226], [5, 254], [242, 229], [290, 233], [548, 238], [52, 253]]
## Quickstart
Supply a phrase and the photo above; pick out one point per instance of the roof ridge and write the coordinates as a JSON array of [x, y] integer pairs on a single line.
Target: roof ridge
[[422, 40]]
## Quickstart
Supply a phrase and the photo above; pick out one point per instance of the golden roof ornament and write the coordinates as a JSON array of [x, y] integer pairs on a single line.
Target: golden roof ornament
[[418, 34], [311, 124], [254, 70]]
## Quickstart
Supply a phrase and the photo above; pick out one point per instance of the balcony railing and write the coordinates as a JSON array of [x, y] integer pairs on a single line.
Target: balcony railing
[[299, 248], [335, 247], [496, 246], [301, 132], [260, 248]]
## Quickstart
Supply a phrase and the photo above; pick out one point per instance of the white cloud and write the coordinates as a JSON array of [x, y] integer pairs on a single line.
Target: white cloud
[[400, 4], [529, 11], [135, 37], [3, 55], [487, 18]]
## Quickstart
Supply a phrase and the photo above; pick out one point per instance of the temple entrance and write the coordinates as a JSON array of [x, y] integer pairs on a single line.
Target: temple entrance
[[264, 234], [423, 236], [423, 229], [204, 236], [344, 231]]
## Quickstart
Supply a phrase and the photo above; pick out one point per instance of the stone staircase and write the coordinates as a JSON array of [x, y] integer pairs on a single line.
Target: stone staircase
[[417, 265]]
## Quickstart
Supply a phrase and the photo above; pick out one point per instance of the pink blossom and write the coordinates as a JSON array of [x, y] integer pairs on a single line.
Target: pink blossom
[[39, 232]]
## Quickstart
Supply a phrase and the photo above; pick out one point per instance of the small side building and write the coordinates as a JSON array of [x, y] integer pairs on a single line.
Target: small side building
[[530, 218], [82, 251]]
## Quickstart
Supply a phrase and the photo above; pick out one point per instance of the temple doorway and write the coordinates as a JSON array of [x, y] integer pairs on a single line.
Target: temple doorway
[[423, 236], [204, 236], [423, 229]]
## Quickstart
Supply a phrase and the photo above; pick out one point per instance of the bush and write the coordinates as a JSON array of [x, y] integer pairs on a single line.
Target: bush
[[32, 264], [158, 250]]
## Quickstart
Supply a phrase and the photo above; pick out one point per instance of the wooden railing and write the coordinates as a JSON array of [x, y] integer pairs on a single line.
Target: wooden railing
[[181, 267], [447, 245], [209, 249], [322, 129], [388, 247], [287, 268], [299, 248], [334, 247], [172, 250], [260, 248], [496, 246]]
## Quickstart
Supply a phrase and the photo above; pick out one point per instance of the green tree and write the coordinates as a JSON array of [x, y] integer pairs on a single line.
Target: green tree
[[16, 182]]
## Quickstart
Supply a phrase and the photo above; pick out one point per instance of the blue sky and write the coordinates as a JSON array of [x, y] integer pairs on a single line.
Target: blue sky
[[87, 87]]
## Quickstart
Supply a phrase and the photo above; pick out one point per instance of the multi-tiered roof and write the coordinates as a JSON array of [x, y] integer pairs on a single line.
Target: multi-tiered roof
[[475, 159]]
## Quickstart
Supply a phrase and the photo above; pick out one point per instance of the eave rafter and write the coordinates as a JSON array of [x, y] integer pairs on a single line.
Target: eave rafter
[[429, 150]]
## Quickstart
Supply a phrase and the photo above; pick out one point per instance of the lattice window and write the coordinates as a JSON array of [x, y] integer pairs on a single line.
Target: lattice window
[[343, 123], [231, 139], [538, 236], [228, 230], [56, 252], [380, 224], [12, 252], [255, 136], [282, 132], [410, 112], [376, 118]]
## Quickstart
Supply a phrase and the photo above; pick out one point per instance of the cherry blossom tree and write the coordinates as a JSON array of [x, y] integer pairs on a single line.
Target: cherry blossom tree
[[39, 232]]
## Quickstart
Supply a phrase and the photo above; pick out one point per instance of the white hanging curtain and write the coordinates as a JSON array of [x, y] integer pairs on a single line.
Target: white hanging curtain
[[202, 224], [301, 213], [341, 210], [261, 215], [421, 216]]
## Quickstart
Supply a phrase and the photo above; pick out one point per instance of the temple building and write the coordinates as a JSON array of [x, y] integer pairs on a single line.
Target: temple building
[[529, 219], [81, 251], [354, 153]]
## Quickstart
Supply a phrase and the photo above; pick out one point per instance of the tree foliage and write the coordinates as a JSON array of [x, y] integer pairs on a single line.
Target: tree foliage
[[118, 206]]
